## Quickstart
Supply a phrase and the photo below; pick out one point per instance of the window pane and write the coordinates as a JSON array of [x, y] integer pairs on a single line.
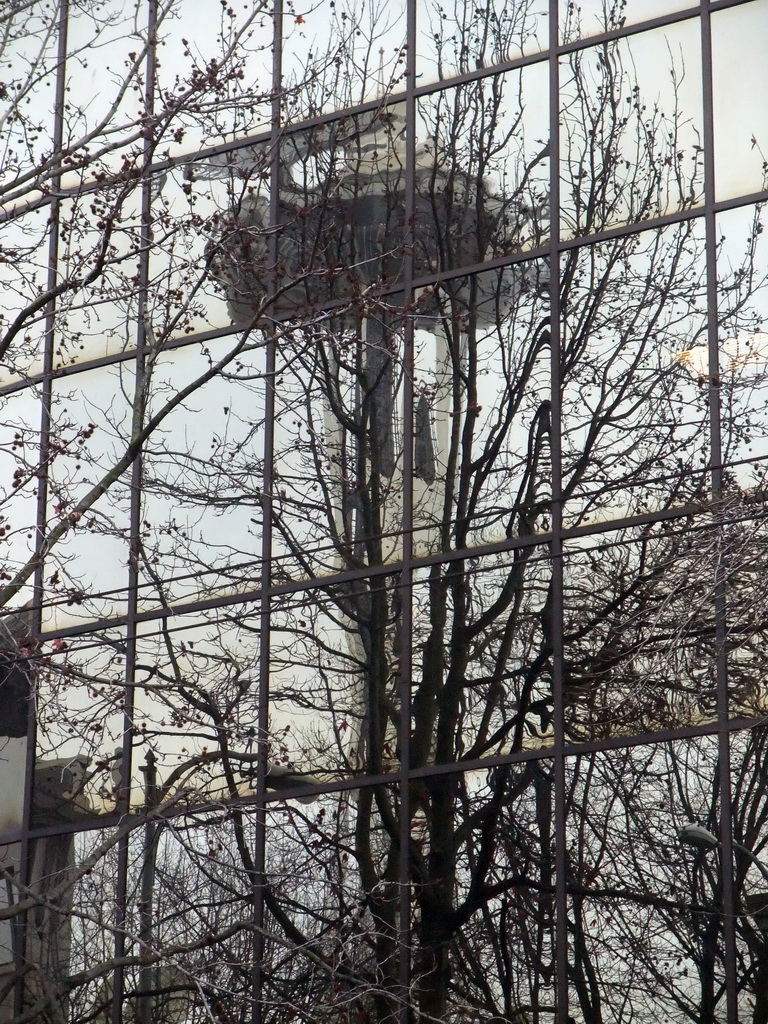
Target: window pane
[[203, 473], [30, 66], [740, 88], [640, 641], [481, 408], [339, 444], [99, 242], [332, 886], [482, 170], [207, 232], [87, 570], [579, 18], [635, 410], [23, 277], [456, 38], [750, 831], [334, 679], [482, 658], [646, 926], [484, 942], [196, 704], [631, 129], [20, 420], [80, 725], [742, 339], [338, 53], [224, 50], [740, 553]]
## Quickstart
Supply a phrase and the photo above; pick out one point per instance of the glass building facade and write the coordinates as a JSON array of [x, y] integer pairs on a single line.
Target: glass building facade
[[383, 391]]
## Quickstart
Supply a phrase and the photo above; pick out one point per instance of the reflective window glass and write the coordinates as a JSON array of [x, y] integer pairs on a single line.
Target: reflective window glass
[[740, 86], [631, 129]]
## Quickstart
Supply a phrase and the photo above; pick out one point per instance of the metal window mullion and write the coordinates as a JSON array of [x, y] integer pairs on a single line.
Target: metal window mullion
[[259, 879], [406, 524], [26, 849], [428, 771], [140, 397], [636, 227], [716, 477], [556, 542], [299, 586], [513, 64]]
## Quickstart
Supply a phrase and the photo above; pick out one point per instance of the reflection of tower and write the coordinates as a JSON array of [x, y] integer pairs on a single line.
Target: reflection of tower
[[341, 235], [341, 238]]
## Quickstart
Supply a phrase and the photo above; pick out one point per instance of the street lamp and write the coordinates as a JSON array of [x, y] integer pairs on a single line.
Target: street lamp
[[698, 837], [755, 906], [702, 839]]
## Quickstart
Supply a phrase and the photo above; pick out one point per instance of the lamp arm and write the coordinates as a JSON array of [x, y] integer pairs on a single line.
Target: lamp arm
[[753, 857]]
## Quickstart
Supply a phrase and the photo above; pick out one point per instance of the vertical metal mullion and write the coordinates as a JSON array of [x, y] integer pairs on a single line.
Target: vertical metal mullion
[[139, 410], [406, 525], [26, 849], [716, 478], [556, 543], [259, 855]]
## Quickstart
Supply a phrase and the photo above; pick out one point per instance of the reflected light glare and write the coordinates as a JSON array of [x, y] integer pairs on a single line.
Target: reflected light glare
[[739, 352]]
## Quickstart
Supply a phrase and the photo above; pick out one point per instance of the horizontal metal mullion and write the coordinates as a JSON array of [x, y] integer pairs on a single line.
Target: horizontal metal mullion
[[572, 750]]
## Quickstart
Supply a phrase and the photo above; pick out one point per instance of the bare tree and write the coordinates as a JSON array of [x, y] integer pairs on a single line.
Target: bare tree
[[219, 313]]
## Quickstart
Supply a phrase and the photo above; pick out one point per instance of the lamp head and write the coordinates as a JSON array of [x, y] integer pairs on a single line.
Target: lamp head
[[698, 837]]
